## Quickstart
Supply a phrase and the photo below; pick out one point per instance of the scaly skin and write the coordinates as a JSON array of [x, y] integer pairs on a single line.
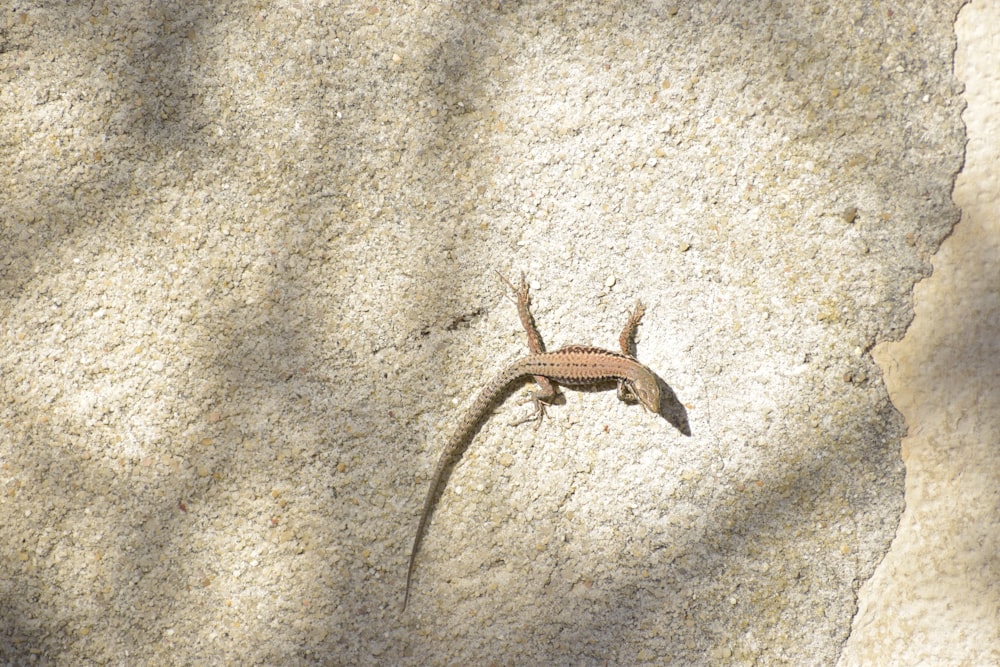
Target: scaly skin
[[573, 365]]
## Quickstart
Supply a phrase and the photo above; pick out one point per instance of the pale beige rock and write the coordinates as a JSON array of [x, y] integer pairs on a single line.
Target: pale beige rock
[[935, 599]]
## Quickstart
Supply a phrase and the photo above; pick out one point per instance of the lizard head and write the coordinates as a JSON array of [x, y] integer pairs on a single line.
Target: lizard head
[[647, 390]]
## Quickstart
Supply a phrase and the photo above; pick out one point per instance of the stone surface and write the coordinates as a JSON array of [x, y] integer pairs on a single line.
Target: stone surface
[[935, 599], [247, 258]]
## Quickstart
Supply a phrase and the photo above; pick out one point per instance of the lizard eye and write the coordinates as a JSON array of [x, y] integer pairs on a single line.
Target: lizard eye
[[649, 396]]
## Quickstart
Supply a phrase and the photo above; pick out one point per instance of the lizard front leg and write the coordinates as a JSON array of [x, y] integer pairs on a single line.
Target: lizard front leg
[[627, 342]]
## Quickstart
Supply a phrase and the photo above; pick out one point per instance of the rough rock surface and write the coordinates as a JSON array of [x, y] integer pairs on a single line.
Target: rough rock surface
[[247, 257]]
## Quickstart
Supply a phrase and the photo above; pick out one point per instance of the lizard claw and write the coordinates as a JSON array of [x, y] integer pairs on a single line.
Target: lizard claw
[[537, 415], [520, 290]]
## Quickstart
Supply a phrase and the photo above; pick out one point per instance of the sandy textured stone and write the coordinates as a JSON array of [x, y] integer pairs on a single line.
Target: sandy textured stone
[[935, 599], [247, 258]]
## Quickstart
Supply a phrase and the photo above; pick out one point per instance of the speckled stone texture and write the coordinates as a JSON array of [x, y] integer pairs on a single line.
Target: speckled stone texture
[[247, 280], [935, 599]]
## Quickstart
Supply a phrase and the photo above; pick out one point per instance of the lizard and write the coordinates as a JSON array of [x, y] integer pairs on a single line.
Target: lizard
[[571, 365]]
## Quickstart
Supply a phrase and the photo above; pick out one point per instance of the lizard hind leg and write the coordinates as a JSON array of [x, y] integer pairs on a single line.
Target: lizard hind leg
[[522, 298], [547, 392], [541, 399]]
